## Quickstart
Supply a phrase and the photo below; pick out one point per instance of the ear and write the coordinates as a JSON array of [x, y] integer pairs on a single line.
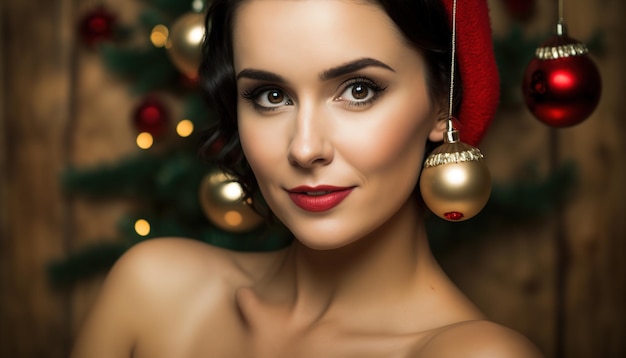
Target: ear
[[436, 133]]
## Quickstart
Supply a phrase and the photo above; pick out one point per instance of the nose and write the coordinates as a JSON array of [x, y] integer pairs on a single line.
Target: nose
[[310, 146]]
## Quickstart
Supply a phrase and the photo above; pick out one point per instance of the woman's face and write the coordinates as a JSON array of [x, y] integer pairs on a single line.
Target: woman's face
[[333, 114]]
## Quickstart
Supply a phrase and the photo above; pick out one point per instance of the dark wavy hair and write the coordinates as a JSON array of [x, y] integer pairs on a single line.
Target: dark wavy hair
[[423, 23]]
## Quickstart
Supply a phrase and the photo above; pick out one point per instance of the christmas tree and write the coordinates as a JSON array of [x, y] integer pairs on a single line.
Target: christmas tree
[[180, 195]]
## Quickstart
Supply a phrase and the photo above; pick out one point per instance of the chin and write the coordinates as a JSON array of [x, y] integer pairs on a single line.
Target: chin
[[327, 245], [325, 239]]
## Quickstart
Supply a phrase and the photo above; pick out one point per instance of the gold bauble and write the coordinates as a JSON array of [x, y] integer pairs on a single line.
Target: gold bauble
[[185, 43], [455, 182], [221, 198]]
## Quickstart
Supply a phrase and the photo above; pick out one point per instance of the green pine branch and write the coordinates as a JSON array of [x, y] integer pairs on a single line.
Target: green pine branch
[[149, 68], [513, 52], [173, 8], [89, 262]]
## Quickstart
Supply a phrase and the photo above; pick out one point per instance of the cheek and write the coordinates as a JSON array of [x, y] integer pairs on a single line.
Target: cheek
[[253, 148], [394, 144], [262, 147]]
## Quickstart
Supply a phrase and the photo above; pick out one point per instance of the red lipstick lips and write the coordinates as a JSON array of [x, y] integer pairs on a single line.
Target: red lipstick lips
[[319, 198]]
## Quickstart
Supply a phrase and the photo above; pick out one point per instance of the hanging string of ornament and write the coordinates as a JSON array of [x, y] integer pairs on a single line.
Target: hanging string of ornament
[[455, 182]]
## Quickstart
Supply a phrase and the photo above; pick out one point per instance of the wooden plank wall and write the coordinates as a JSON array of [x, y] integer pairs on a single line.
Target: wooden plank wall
[[36, 105], [595, 225], [59, 106]]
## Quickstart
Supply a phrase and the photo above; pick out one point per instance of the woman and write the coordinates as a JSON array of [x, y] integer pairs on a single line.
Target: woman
[[331, 104]]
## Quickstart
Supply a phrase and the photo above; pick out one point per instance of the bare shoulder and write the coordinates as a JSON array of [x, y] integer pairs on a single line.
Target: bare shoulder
[[165, 267], [480, 338], [182, 260], [162, 273]]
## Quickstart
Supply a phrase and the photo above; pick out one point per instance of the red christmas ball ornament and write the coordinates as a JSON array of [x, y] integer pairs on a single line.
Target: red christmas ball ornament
[[96, 26], [562, 85], [151, 116]]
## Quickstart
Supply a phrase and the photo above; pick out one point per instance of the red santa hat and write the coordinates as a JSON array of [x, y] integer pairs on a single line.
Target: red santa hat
[[477, 65]]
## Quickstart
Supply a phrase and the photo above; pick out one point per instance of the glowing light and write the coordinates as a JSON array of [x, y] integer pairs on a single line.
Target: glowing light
[[142, 227], [145, 140], [184, 128], [195, 35], [455, 176], [232, 191], [197, 5], [233, 218], [159, 35]]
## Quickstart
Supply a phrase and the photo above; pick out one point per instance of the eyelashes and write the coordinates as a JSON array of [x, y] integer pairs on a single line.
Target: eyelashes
[[267, 98], [360, 92], [356, 92]]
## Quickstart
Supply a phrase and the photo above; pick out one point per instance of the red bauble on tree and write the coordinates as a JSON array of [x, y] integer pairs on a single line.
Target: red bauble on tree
[[96, 26], [151, 116], [562, 85]]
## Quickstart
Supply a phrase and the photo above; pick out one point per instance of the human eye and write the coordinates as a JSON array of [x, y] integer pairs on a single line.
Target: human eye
[[358, 92], [267, 98]]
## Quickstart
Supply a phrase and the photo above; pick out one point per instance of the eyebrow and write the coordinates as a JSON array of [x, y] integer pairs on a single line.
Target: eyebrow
[[331, 73], [353, 66], [260, 75]]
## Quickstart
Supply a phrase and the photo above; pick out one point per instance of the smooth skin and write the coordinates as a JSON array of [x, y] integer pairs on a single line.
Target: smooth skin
[[329, 93]]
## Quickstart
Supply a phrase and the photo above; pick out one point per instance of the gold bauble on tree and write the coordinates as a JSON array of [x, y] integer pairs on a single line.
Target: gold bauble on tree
[[221, 198], [185, 42], [455, 182]]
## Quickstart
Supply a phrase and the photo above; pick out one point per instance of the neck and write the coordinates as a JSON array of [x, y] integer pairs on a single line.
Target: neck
[[385, 266]]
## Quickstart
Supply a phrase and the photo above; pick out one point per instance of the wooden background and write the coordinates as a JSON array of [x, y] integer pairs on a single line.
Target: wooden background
[[59, 107]]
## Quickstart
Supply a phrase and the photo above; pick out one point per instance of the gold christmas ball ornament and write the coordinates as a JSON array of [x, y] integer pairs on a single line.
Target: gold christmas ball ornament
[[221, 198], [185, 42], [455, 182]]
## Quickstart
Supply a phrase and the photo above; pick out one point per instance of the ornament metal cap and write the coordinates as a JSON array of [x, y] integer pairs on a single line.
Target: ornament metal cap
[[457, 152], [451, 136], [452, 151], [560, 46]]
